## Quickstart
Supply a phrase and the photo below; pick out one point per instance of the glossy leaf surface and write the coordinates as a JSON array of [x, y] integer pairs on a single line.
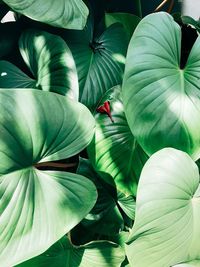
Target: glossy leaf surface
[[114, 149], [38, 207], [162, 101], [70, 14]]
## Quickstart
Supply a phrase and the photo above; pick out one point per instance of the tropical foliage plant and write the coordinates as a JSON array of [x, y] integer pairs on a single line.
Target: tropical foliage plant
[[99, 134]]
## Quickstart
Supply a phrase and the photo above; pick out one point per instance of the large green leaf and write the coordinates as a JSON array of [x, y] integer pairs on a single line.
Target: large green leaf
[[162, 101], [70, 14], [166, 230], [38, 207], [100, 59], [50, 61], [93, 254], [113, 140]]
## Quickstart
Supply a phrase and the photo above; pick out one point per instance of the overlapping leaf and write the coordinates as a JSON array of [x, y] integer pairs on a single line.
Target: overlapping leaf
[[99, 58], [93, 254], [166, 230], [50, 61], [128, 20], [114, 149], [71, 14], [162, 101], [38, 207]]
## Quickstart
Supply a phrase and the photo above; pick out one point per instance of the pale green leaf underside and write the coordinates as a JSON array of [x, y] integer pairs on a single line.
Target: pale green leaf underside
[[38, 208], [94, 254], [39, 126], [166, 230], [101, 69], [162, 101], [70, 14], [114, 149]]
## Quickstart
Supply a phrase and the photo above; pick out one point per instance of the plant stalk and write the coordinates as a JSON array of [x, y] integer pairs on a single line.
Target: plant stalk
[[55, 165], [138, 6]]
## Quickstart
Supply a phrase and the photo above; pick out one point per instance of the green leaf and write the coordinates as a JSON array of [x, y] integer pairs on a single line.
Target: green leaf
[[93, 254], [105, 218], [50, 61], [12, 77], [114, 140], [166, 230], [71, 14], [162, 101], [128, 21], [38, 207], [100, 59], [191, 21]]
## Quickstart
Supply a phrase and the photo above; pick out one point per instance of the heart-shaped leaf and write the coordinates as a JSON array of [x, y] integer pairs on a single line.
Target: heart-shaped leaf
[[50, 61], [100, 59], [93, 254], [113, 140], [162, 101], [70, 14], [166, 229], [38, 207]]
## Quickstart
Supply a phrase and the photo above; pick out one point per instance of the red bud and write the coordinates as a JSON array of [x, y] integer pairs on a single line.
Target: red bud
[[105, 109]]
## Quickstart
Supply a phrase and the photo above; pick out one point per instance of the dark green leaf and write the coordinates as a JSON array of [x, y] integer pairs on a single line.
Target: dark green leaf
[[114, 149], [93, 254], [129, 21], [100, 59]]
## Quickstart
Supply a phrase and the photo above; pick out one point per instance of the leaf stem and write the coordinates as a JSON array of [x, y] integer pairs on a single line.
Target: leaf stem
[[138, 8], [55, 164], [171, 6], [161, 5]]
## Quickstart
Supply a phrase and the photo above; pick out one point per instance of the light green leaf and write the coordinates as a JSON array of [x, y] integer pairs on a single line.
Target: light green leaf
[[12, 77], [70, 14], [128, 21], [112, 141], [166, 229], [93, 254], [162, 101], [38, 207], [100, 59]]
